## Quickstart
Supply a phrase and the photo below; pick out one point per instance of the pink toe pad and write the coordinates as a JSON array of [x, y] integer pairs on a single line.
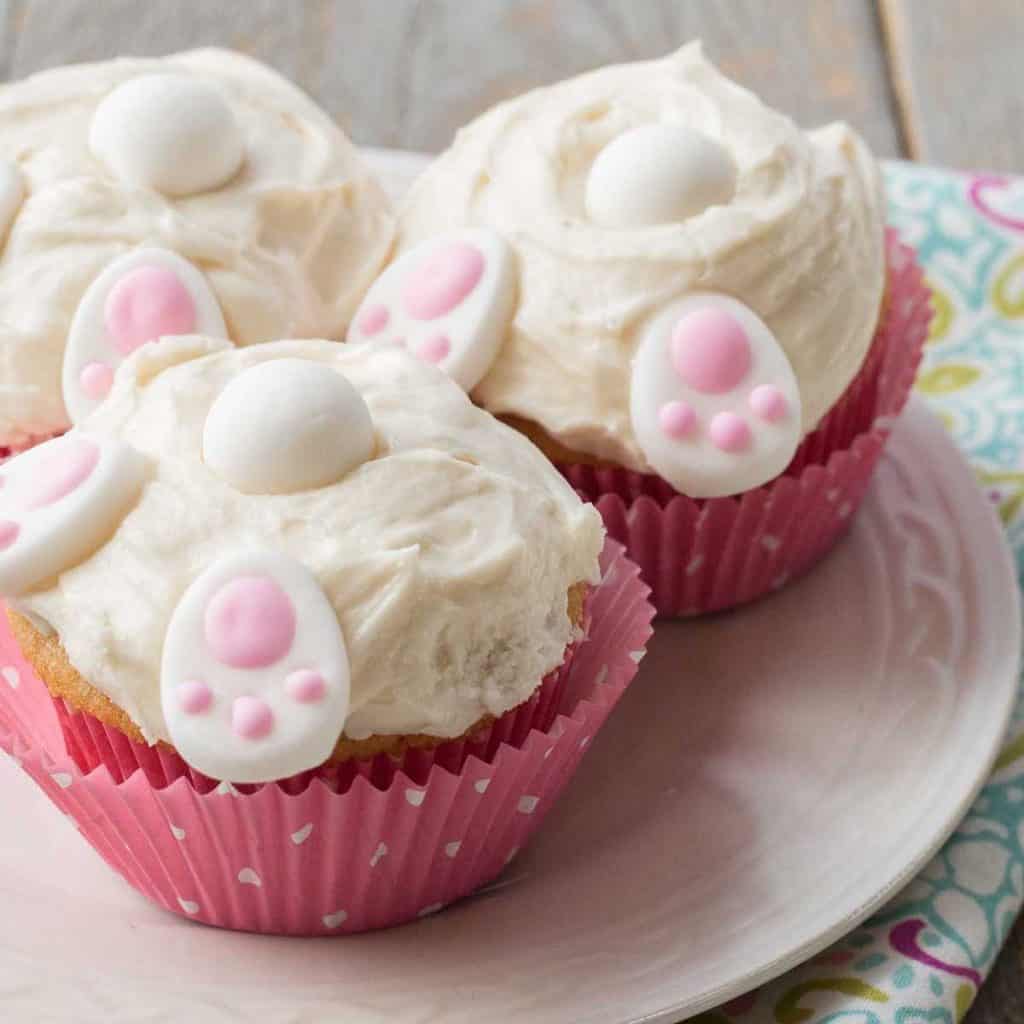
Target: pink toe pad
[[96, 380], [769, 403], [729, 432], [251, 718], [306, 686], [194, 696], [677, 419]]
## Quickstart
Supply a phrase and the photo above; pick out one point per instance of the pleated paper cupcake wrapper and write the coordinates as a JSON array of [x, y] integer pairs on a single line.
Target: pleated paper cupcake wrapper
[[321, 862], [91, 744], [709, 555], [9, 451]]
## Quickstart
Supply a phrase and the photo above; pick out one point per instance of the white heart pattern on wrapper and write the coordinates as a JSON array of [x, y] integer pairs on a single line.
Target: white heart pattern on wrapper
[[449, 300], [254, 679], [60, 502], [145, 295], [713, 399]]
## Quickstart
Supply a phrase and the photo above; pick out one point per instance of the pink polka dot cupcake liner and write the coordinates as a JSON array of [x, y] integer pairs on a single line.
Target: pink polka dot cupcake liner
[[92, 744], [329, 857], [707, 555]]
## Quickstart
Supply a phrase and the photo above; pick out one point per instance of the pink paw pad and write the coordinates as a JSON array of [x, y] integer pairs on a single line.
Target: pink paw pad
[[194, 697], [249, 623], [714, 402], [443, 280], [251, 718], [306, 686], [59, 502], [141, 297], [449, 300], [147, 303], [96, 380], [250, 627]]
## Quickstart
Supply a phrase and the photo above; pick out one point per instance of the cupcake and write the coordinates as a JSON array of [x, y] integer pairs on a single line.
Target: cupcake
[[198, 193], [689, 304], [320, 577]]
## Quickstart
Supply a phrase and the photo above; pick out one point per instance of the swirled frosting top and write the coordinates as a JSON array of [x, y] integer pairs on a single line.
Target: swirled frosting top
[[443, 542], [786, 222], [207, 154]]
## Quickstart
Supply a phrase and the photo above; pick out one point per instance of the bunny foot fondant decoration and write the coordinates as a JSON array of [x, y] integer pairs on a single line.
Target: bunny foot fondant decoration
[[146, 295], [61, 501], [714, 402], [255, 674], [449, 301]]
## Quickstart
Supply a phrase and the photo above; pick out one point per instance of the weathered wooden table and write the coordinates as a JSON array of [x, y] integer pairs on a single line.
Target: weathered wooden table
[[931, 80]]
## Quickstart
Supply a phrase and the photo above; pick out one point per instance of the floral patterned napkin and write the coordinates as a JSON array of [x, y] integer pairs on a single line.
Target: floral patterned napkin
[[922, 958]]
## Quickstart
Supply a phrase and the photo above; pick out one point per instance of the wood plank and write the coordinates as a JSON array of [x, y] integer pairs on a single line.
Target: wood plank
[[285, 35], [1001, 999], [408, 73], [450, 59], [955, 66]]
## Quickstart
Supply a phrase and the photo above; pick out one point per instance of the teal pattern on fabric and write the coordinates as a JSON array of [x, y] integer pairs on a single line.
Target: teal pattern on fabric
[[921, 959]]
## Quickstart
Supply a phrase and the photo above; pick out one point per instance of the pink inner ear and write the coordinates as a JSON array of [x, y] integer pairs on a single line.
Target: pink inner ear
[[147, 303], [442, 280], [250, 623], [8, 533], [63, 469]]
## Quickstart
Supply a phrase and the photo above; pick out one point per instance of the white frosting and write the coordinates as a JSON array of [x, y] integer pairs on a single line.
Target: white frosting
[[449, 301], [287, 426], [12, 193], [59, 502], [254, 680], [288, 245], [168, 132], [90, 347], [447, 557], [800, 242], [658, 174], [713, 419]]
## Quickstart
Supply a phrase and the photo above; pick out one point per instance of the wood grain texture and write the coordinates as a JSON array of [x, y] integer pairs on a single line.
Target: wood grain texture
[[409, 72], [1001, 999], [955, 67]]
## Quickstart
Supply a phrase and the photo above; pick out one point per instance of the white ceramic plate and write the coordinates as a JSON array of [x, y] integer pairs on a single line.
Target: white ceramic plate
[[771, 778]]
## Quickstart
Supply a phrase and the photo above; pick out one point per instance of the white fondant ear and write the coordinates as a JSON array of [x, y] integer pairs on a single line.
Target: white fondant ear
[[12, 194], [287, 425], [168, 132], [147, 294], [713, 399], [449, 300], [254, 681], [60, 502], [658, 174]]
